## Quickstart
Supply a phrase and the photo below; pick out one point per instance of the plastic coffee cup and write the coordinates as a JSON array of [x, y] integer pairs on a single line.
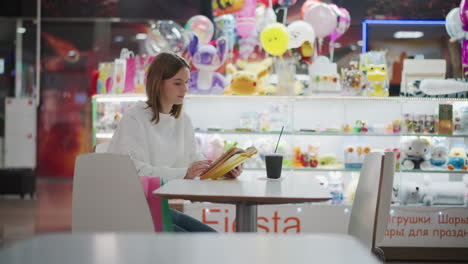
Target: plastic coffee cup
[[274, 165]]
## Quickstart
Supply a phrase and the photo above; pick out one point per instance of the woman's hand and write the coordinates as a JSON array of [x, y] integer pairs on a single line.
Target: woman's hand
[[234, 173], [197, 168]]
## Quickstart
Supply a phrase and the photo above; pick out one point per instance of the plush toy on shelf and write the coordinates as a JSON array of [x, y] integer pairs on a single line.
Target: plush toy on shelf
[[376, 80], [445, 193], [408, 193], [250, 80], [457, 159], [414, 153], [206, 58], [439, 156], [335, 185]]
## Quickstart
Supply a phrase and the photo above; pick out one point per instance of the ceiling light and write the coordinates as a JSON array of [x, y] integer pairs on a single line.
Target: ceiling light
[[408, 34], [141, 36], [119, 38]]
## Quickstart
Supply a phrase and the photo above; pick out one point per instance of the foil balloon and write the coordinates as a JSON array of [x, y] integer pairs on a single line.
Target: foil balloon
[[306, 6], [226, 27], [245, 18], [202, 27], [166, 35], [265, 16], [222, 7], [299, 32], [344, 21], [286, 3], [464, 14], [322, 19], [274, 39], [464, 53], [454, 26]]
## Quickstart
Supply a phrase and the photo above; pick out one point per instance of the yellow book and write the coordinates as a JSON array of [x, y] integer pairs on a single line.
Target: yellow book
[[228, 161]]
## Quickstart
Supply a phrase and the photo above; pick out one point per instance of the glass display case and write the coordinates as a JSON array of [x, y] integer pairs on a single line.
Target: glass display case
[[328, 137]]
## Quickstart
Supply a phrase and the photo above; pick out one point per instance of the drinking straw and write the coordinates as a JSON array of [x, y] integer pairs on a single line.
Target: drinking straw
[[277, 143]]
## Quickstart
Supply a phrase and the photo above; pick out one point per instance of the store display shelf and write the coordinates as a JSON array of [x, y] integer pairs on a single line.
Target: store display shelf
[[104, 135], [142, 97], [306, 133], [353, 170]]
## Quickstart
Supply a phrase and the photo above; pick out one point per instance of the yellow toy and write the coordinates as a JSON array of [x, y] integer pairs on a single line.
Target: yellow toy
[[250, 79], [376, 80]]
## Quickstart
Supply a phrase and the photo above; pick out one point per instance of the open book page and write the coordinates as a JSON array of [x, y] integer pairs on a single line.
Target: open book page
[[228, 161]]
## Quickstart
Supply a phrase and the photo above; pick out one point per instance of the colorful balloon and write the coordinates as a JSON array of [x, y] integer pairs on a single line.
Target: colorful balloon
[[454, 26], [322, 19], [265, 16], [464, 14], [246, 18], [202, 27], [286, 3], [274, 39], [344, 21], [464, 53], [166, 35], [299, 32], [226, 26], [306, 6]]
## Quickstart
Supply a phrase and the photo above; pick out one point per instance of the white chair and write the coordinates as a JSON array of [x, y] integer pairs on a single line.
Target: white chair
[[102, 147], [108, 195], [370, 210]]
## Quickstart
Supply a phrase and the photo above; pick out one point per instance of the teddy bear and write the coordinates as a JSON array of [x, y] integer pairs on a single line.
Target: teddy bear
[[207, 58], [439, 156], [457, 159], [249, 80], [414, 153]]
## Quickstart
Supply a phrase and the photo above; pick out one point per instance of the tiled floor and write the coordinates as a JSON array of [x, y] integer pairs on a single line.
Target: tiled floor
[[49, 211]]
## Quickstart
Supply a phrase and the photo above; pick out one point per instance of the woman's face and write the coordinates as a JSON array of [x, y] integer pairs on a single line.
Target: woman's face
[[174, 89]]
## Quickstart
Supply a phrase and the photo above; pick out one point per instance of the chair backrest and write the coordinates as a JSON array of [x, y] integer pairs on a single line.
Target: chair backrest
[[108, 195], [370, 211], [102, 147]]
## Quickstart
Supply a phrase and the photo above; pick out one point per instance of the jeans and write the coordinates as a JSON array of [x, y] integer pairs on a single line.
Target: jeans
[[185, 223]]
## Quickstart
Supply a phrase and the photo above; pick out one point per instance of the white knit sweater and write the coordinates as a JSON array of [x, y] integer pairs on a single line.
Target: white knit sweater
[[163, 150]]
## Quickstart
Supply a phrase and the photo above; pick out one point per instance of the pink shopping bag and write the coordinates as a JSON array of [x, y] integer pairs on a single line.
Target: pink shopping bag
[[155, 203]]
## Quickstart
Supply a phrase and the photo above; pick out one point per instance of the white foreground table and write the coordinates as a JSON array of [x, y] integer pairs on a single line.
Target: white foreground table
[[246, 193], [136, 248]]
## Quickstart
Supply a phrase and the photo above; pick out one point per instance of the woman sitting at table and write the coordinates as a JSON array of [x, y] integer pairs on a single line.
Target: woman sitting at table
[[159, 137]]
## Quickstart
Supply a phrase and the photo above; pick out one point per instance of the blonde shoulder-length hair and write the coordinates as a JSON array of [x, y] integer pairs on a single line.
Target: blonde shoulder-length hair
[[164, 66]]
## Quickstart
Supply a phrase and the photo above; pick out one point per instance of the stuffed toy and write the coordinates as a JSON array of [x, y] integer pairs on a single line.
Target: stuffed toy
[[439, 156], [214, 146], [335, 186], [206, 58], [250, 79], [457, 159], [409, 193], [334, 183], [414, 153], [377, 80], [445, 193]]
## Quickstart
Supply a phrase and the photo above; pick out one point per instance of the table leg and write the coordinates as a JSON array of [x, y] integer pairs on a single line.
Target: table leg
[[246, 217]]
